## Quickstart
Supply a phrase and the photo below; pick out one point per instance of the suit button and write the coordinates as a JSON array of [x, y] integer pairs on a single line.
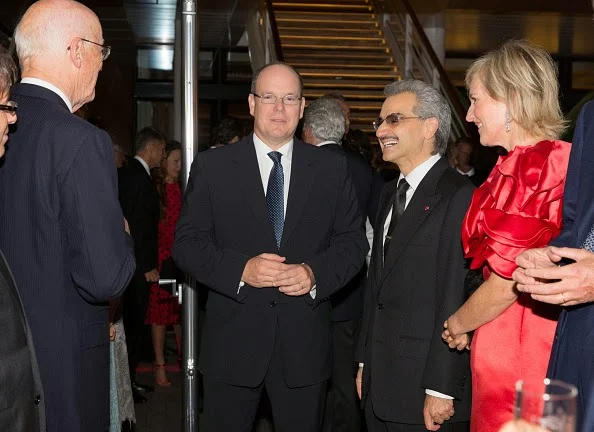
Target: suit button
[[380, 306], [37, 400], [272, 303]]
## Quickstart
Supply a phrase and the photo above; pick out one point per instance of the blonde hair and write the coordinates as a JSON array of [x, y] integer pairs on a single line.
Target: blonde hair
[[524, 77]]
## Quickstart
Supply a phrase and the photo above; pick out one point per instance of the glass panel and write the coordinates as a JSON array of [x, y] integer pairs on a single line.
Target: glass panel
[[155, 63]]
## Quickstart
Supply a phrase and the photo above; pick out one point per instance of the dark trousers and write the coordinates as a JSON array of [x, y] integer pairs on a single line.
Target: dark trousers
[[231, 408], [343, 411], [134, 304], [375, 424]]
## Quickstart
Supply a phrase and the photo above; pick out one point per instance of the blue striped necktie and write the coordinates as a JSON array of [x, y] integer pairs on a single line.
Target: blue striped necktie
[[589, 243], [275, 196]]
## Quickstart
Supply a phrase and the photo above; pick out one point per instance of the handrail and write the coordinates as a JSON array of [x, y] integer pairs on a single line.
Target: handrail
[[274, 30], [426, 59]]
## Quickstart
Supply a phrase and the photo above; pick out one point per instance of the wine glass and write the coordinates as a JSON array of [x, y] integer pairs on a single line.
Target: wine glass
[[550, 404]]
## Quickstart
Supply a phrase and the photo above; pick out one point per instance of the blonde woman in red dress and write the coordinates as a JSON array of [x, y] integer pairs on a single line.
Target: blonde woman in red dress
[[163, 309], [514, 95]]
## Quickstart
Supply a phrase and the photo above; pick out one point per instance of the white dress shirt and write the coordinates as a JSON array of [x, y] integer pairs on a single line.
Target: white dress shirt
[[49, 86], [144, 164], [469, 173], [413, 179]]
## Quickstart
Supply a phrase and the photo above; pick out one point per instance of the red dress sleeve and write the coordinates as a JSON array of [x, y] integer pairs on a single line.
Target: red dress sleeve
[[518, 207]]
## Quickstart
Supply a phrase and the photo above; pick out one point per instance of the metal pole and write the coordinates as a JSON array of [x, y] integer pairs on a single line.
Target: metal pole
[[190, 145]]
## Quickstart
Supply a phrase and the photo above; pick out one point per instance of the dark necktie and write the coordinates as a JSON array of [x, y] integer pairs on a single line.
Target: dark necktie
[[589, 243], [275, 196], [397, 210]]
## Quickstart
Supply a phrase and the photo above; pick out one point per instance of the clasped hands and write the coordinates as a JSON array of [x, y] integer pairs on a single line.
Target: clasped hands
[[453, 337], [270, 270]]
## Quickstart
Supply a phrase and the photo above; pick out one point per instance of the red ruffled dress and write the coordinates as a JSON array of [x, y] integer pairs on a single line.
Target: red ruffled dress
[[517, 208], [163, 308]]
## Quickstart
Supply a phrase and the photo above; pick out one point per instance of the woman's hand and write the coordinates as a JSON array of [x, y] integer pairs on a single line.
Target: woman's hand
[[112, 331], [458, 341]]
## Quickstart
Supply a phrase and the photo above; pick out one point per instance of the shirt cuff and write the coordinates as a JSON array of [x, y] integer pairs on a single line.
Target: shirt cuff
[[437, 394], [312, 292]]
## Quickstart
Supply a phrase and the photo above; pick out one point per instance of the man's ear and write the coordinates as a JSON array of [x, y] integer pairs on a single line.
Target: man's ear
[[302, 107], [251, 103], [75, 51], [431, 126]]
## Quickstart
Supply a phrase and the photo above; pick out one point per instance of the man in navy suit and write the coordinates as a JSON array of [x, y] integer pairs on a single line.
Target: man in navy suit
[[272, 242], [61, 226], [571, 285]]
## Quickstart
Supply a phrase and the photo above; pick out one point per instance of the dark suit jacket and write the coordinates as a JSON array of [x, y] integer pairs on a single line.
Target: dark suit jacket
[[224, 222], [62, 231], [140, 203], [408, 299], [22, 406], [572, 359], [347, 304]]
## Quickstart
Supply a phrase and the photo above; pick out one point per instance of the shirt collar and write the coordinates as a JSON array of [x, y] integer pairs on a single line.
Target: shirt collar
[[415, 177], [262, 149], [49, 86], [323, 143], [469, 173], [144, 164]]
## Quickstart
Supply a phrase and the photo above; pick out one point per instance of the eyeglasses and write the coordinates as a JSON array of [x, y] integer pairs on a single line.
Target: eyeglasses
[[391, 119], [9, 106], [273, 99], [105, 49]]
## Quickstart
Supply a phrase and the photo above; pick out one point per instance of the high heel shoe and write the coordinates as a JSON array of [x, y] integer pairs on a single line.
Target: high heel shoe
[[162, 382]]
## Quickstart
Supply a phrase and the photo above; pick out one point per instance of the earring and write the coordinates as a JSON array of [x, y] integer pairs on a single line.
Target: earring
[[507, 120]]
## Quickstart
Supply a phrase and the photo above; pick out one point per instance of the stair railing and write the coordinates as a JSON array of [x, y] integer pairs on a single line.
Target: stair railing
[[416, 57], [264, 41]]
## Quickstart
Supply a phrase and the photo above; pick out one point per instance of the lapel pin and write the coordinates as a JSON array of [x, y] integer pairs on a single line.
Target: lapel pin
[[426, 208]]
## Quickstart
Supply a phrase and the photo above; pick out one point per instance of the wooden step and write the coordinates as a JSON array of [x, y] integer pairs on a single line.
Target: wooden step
[[343, 64], [349, 95], [329, 46], [371, 33], [316, 39], [350, 18], [324, 24], [299, 55], [335, 84], [332, 7], [353, 73]]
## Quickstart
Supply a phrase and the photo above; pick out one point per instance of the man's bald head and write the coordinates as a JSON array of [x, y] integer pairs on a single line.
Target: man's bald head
[[48, 27]]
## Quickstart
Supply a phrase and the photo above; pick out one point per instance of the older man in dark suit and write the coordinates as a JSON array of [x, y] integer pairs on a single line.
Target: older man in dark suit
[[61, 226], [272, 242], [324, 124], [408, 378], [22, 406], [141, 206]]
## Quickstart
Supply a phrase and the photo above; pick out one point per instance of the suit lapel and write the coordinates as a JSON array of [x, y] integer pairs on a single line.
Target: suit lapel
[[299, 187], [387, 199], [248, 171], [420, 207]]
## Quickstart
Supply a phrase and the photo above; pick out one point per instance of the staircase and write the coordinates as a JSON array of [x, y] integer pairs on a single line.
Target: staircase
[[338, 47]]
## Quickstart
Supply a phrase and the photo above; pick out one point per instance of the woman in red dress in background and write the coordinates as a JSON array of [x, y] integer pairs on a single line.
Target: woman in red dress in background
[[514, 95], [163, 309]]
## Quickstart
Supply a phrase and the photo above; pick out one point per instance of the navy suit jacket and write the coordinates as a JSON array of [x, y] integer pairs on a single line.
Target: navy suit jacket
[[572, 359], [62, 230], [224, 222]]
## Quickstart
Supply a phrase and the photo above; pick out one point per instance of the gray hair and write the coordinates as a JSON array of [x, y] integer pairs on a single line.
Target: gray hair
[[326, 119], [430, 103], [8, 71]]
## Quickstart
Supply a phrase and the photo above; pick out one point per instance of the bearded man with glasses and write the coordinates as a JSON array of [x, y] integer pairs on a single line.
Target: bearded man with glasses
[[408, 379], [272, 241], [62, 228]]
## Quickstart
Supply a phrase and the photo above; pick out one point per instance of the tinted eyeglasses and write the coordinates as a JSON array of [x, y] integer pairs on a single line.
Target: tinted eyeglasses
[[391, 119], [10, 107], [105, 49], [272, 99]]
